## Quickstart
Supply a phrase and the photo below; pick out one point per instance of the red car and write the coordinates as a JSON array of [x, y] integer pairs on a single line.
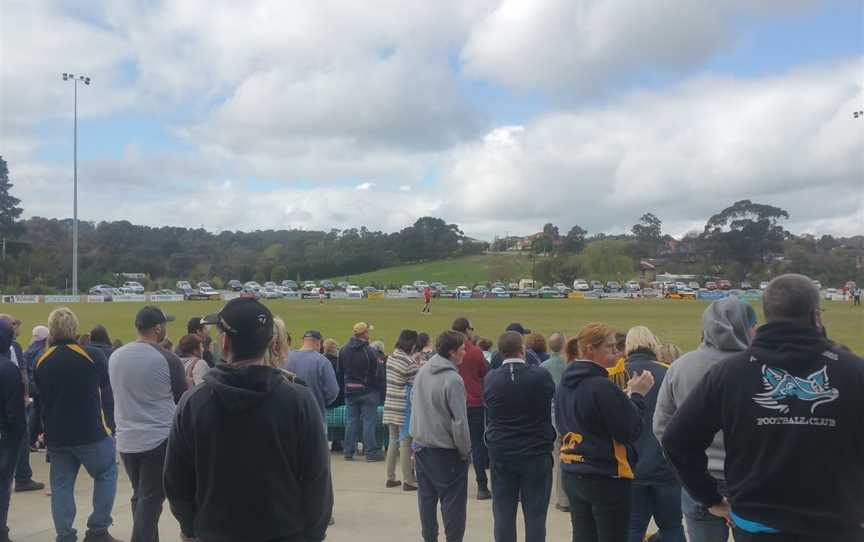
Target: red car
[[725, 285], [710, 285]]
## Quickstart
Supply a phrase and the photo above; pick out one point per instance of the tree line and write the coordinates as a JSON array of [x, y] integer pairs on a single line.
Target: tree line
[[744, 240]]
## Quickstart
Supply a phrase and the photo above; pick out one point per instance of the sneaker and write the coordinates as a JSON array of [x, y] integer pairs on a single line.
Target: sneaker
[[349, 458], [483, 494], [374, 458], [104, 536], [408, 487], [392, 483], [28, 485]]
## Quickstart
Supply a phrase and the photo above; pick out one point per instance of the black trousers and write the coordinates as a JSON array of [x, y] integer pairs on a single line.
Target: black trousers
[[741, 536], [599, 507], [8, 459], [479, 453], [148, 491], [525, 479], [441, 476]]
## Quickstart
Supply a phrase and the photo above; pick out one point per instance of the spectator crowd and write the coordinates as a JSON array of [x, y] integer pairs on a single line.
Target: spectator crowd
[[757, 433]]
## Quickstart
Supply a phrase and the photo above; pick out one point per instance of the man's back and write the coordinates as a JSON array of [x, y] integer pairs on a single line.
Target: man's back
[[519, 410], [147, 381], [790, 410], [317, 373], [249, 431]]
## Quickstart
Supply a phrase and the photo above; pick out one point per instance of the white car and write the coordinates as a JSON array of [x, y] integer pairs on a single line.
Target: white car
[[581, 285], [309, 285], [270, 293], [681, 286], [354, 291], [252, 285], [408, 289], [632, 286], [183, 285], [830, 293], [693, 285], [132, 287], [763, 285], [209, 290], [420, 284], [463, 291]]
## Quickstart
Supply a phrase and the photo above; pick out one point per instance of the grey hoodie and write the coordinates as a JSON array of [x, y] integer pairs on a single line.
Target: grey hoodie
[[439, 416], [725, 327]]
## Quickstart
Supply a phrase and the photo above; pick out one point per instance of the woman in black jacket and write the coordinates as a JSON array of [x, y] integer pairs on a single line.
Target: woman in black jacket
[[100, 339], [655, 490], [597, 422]]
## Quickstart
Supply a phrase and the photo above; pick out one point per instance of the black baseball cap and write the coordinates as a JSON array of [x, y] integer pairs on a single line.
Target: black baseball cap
[[194, 324], [245, 319], [315, 334], [517, 327], [151, 316]]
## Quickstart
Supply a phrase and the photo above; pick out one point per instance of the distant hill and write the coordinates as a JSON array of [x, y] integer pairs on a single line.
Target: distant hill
[[463, 271]]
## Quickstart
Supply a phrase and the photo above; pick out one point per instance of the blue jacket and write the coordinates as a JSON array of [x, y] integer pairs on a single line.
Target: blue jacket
[[652, 468], [597, 421]]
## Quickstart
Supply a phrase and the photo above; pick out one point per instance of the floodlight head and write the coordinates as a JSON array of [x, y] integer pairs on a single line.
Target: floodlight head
[[65, 76]]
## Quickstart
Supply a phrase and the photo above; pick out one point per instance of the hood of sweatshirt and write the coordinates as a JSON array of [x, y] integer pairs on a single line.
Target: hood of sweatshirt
[[580, 370], [789, 346], [240, 389], [356, 344], [725, 324], [7, 335], [438, 364]]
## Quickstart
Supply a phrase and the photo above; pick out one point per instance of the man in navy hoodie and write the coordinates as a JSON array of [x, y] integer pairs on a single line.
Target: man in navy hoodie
[[12, 423], [790, 411]]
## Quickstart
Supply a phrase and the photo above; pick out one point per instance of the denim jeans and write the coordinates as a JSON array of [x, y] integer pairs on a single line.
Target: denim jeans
[[99, 461], [663, 501], [362, 407], [599, 507], [8, 457], [23, 472], [479, 452], [442, 476], [522, 479], [702, 525]]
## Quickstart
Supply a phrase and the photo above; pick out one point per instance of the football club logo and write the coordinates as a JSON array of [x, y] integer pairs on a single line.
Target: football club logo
[[781, 388]]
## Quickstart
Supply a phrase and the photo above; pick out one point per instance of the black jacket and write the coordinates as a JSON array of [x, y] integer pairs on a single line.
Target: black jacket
[[518, 399], [790, 408], [597, 421], [340, 380], [247, 459], [13, 424], [530, 359], [652, 467], [107, 392], [31, 355], [359, 361], [70, 378]]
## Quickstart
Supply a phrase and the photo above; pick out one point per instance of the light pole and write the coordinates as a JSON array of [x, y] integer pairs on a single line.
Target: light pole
[[86, 80]]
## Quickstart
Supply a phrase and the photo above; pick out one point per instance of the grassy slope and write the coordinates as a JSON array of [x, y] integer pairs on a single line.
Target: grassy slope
[[466, 271], [674, 321]]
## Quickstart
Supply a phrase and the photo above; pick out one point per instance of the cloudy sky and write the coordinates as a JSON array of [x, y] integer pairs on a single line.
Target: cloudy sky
[[498, 115]]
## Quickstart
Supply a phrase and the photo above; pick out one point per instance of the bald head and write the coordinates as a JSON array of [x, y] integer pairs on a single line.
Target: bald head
[[792, 298]]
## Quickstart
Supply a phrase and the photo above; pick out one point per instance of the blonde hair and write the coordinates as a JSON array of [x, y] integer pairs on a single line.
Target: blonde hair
[[593, 335], [277, 352], [640, 337], [556, 342], [62, 325], [331, 347], [667, 353]]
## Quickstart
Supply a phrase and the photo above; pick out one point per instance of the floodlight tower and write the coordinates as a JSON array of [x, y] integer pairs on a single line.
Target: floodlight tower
[[86, 80]]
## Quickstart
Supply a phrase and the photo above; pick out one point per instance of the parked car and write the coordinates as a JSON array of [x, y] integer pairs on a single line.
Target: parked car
[[253, 285], [203, 284], [613, 286], [101, 289], [420, 284], [191, 294], [513, 286], [289, 284], [183, 285], [693, 285], [132, 287], [763, 284], [249, 292], [680, 286], [480, 288], [343, 285], [596, 285], [353, 290], [328, 285], [209, 291], [309, 284], [710, 285], [632, 286], [235, 285], [463, 291], [270, 292], [831, 292], [498, 284], [581, 285], [724, 285], [499, 291], [745, 285], [369, 290]]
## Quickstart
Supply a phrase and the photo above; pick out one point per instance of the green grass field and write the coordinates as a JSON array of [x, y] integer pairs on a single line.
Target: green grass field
[[673, 321], [464, 271]]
